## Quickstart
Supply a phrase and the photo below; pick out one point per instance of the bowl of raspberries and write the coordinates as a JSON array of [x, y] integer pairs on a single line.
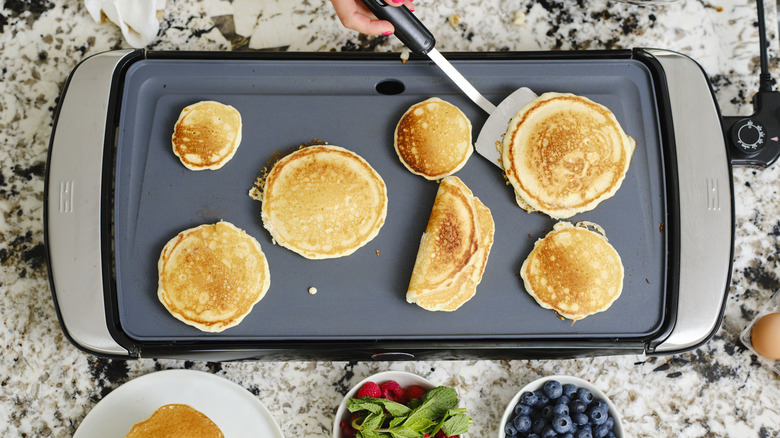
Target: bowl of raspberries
[[397, 403], [560, 406]]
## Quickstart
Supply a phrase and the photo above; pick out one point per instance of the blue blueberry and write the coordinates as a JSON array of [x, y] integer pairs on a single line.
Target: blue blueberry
[[584, 432], [567, 435], [522, 423], [538, 425], [569, 389], [611, 434], [565, 399], [601, 431], [547, 412], [548, 432], [598, 415], [541, 398], [510, 429], [577, 406], [610, 423], [562, 423], [521, 409], [585, 395], [560, 408], [553, 389], [529, 399], [533, 435], [580, 419]]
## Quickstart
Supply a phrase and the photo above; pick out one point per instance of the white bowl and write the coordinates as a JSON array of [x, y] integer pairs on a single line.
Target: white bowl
[[402, 377], [539, 383]]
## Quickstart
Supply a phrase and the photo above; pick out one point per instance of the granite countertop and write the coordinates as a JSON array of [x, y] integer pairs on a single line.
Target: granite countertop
[[48, 386]]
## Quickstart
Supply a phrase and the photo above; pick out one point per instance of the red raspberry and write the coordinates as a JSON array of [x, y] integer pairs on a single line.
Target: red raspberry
[[415, 391], [369, 389], [392, 391]]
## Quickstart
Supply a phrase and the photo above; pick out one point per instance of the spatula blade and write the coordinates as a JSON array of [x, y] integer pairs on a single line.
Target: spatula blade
[[496, 125]]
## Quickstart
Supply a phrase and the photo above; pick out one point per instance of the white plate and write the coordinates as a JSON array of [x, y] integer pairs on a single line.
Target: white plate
[[235, 410]]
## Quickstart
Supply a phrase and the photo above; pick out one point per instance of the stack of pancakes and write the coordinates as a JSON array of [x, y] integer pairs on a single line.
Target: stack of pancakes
[[176, 421], [206, 135], [433, 139], [323, 202], [564, 154], [574, 271], [453, 250], [211, 276]]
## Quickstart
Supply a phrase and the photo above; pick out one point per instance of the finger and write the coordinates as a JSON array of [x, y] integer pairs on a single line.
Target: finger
[[366, 24]]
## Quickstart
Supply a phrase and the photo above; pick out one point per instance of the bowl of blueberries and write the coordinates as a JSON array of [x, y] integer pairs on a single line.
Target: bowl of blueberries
[[560, 406]]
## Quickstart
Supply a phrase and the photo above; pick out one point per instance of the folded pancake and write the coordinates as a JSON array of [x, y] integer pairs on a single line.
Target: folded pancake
[[176, 421], [323, 202], [564, 154], [453, 250], [433, 139], [574, 271], [211, 276], [206, 135]]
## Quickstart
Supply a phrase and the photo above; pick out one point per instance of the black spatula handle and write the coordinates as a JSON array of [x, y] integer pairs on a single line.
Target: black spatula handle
[[408, 28]]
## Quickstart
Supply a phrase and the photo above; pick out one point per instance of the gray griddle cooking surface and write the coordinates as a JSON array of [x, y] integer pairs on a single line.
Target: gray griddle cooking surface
[[285, 103]]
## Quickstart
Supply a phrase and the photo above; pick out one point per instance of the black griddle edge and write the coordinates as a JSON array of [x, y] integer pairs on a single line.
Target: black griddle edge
[[490, 349]]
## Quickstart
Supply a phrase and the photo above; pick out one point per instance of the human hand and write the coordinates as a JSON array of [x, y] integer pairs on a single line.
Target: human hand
[[356, 16]]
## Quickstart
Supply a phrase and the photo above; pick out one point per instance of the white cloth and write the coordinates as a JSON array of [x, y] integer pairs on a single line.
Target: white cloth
[[136, 18]]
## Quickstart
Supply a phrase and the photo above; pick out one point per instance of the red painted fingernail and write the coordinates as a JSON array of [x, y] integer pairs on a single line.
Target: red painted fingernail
[[398, 1], [387, 33]]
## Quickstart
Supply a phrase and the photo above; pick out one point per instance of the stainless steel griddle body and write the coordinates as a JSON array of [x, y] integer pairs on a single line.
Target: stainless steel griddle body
[[115, 194]]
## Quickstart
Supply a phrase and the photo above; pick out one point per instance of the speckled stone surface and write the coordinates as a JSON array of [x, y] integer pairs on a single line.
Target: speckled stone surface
[[47, 386]]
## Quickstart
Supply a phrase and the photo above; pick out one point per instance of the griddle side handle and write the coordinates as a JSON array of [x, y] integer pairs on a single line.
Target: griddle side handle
[[73, 205], [706, 205]]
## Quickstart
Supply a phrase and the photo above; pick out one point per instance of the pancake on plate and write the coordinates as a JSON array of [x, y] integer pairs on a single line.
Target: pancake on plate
[[176, 421], [211, 276], [574, 271], [433, 139], [453, 250], [323, 202], [564, 154], [206, 135]]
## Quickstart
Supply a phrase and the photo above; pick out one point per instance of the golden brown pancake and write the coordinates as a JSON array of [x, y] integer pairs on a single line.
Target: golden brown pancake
[[323, 202], [574, 271], [453, 250], [433, 139], [211, 276], [206, 135], [176, 421], [564, 154]]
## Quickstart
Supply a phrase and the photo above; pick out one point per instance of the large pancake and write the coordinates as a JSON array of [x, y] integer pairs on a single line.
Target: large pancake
[[211, 276], [574, 271], [433, 139], [564, 154], [176, 421], [323, 202], [206, 135], [453, 250]]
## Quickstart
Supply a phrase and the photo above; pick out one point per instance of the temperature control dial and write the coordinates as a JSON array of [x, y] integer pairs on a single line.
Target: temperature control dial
[[748, 135]]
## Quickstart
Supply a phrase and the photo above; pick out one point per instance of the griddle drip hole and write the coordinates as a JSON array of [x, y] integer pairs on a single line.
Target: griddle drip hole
[[390, 87]]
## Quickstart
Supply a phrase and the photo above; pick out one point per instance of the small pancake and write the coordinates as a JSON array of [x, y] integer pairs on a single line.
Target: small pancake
[[574, 271], [564, 154], [211, 276], [206, 135], [433, 139], [323, 202], [453, 250], [176, 421]]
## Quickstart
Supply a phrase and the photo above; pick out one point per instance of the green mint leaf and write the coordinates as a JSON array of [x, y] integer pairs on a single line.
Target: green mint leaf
[[396, 421], [393, 408], [364, 404], [373, 422], [439, 400], [457, 424], [405, 432], [369, 434]]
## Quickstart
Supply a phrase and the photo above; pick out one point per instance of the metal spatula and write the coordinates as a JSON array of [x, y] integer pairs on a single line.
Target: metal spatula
[[420, 40]]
